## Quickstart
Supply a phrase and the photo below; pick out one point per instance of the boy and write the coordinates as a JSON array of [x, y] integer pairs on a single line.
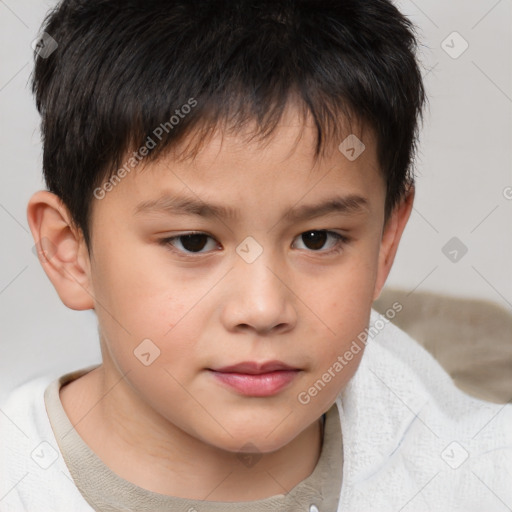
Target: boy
[[228, 183]]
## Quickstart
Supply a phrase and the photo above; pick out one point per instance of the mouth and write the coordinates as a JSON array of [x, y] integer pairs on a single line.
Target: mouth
[[256, 379]]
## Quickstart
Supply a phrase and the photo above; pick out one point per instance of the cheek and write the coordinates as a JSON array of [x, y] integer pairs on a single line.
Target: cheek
[[342, 303], [343, 297], [135, 302], [134, 289]]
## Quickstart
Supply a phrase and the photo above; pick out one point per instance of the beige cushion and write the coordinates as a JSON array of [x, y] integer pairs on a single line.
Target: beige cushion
[[471, 339]]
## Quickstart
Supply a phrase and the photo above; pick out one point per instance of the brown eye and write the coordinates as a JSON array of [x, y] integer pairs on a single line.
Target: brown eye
[[314, 239], [190, 243], [193, 243], [321, 240]]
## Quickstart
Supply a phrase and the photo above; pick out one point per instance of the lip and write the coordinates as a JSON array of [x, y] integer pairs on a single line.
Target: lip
[[254, 368], [256, 379]]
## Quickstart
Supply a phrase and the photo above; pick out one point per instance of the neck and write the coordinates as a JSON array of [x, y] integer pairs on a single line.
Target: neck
[[144, 448]]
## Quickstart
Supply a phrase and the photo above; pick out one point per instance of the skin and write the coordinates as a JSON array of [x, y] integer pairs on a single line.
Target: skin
[[172, 427]]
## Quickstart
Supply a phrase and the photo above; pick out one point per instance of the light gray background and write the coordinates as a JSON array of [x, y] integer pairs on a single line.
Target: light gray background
[[464, 171]]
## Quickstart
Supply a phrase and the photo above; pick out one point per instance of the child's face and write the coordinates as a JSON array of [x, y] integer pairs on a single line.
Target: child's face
[[275, 297]]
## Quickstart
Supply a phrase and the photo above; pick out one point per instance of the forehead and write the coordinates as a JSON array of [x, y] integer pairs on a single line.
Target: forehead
[[239, 170]]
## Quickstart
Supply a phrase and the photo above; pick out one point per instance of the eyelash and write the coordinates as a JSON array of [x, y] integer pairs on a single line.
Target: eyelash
[[341, 240]]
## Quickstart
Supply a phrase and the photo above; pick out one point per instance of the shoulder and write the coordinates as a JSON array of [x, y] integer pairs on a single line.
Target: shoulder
[[23, 417], [405, 368], [405, 425], [33, 475]]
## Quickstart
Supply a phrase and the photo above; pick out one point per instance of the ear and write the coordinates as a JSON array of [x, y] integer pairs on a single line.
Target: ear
[[391, 236], [61, 249]]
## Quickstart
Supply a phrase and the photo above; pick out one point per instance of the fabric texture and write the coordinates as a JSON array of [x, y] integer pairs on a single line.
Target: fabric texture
[[470, 338], [411, 440]]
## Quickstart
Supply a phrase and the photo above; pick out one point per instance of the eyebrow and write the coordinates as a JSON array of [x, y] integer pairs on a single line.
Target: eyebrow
[[175, 205]]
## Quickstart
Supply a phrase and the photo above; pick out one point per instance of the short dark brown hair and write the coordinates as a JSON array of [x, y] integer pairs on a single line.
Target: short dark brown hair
[[123, 68]]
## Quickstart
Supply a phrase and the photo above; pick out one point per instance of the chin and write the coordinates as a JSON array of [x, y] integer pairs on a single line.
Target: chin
[[254, 445], [260, 439]]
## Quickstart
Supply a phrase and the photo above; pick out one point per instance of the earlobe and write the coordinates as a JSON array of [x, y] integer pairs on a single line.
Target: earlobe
[[61, 250], [391, 237]]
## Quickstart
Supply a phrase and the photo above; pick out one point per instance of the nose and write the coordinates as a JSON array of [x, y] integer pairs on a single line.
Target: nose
[[259, 298]]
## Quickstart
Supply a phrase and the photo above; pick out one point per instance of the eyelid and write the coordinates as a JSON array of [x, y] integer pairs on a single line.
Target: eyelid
[[166, 242], [341, 241]]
